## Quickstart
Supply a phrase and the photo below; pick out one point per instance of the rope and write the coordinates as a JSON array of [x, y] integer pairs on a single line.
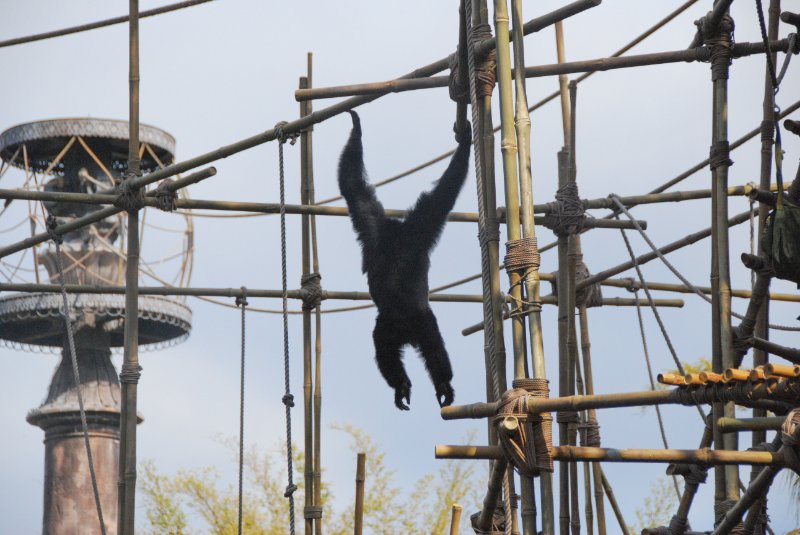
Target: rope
[[528, 446], [677, 273], [288, 399], [129, 199], [166, 199], [241, 301], [311, 290], [719, 40], [567, 214], [58, 240]]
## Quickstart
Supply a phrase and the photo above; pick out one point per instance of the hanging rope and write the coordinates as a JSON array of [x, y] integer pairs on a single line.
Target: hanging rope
[[241, 301], [288, 399], [52, 223], [677, 273]]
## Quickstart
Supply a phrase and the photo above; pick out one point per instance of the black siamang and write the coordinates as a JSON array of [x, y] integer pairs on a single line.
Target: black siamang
[[396, 260]]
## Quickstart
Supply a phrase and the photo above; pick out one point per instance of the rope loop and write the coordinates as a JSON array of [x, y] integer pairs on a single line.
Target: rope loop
[[282, 136], [311, 290], [719, 154], [130, 373], [128, 198], [51, 226], [241, 300], [567, 215], [528, 440], [719, 40], [166, 198]]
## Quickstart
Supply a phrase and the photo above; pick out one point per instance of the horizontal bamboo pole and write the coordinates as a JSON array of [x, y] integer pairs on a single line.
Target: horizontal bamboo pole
[[99, 215], [680, 288], [273, 208], [734, 425], [647, 257], [705, 456], [789, 353], [700, 53], [277, 294], [99, 24]]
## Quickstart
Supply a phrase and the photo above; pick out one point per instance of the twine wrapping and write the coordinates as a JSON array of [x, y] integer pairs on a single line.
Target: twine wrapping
[[719, 40], [311, 290], [166, 199], [528, 448], [566, 216]]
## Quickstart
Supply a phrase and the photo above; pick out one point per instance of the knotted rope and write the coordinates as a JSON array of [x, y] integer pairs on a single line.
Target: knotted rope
[[528, 441], [719, 40], [311, 290], [52, 223], [486, 67], [567, 214], [522, 256], [288, 398], [128, 198], [166, 198], [241, 301]]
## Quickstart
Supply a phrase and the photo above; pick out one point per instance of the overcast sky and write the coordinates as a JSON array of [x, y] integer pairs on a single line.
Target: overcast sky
[[223, 71]]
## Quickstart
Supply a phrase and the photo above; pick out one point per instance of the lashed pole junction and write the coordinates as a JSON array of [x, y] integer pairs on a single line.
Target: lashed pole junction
[[520, 446]]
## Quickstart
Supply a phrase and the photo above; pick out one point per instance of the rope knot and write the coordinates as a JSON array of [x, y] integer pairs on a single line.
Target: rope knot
[[290, 489], [311, 290], [588, 296], [128, 198], [241, 300], [486, 69], [288, 400], [457, 83], [166, 197], [719, 154], [719, 40], [51, 226], [282, 136], [526, 438], [130, 373], [632, 285], [567, 215]]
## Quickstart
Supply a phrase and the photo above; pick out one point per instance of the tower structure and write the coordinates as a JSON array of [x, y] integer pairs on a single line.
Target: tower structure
[[72, 156]]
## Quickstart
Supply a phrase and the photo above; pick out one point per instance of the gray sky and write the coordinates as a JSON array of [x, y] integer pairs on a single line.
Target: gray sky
[[220, 72]]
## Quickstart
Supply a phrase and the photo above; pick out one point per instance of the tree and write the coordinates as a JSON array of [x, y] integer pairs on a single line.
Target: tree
[[426, 509], [658, 508]]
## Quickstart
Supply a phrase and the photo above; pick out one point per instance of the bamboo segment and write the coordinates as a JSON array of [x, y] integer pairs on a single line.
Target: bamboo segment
[[734, 374], [711, 377], [789, 353], [673, 379], [455, 519], [781, 370], [358, 522], [757, 374], [734, 425]]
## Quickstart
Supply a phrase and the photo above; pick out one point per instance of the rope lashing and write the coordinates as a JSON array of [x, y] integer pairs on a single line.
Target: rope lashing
[[589, 296], [720, 510], [311, 290], [312, 512], [166, 199], [527, 439], [486, 67], [590, 437], [458, 92], [522, 255], [566, 216], [288, 398], [241, 301], [719, 155], [742, 342], [128, 198], [719, 40], [489, 232], [73, 354]]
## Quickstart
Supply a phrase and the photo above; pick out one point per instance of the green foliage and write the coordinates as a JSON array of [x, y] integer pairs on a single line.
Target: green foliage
[[701, 365], [387, 510], [659, 506]]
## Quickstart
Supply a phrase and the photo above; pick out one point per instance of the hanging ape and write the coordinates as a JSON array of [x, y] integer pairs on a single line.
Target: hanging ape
[[396, 261]]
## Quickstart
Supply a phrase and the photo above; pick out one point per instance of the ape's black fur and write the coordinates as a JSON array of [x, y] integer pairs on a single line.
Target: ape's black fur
[[395, 259]]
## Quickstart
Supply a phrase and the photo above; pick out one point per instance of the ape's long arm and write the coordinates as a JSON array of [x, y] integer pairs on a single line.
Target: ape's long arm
[[366, 211], [429, 214]]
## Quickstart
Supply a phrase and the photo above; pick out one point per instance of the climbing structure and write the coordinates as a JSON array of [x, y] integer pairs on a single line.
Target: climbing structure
[[521, 445]]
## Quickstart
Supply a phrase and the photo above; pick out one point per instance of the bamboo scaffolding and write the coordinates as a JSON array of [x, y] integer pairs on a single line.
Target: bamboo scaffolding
[[574, 454], [265, 208], [99, 24], [400, 85], [130, 372]]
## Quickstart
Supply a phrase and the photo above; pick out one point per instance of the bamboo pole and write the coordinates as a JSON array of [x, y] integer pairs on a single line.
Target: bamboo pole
[[401, 85], [455, 519], [789, 353], [308, 409], [361, 476], [647, 257], [130, 372], [623, 526], [574, 454], [99, 24], [532, 286], [765, 423]]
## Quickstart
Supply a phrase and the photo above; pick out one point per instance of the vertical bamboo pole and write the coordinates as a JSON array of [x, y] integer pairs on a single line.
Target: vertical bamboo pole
[[563, 354], [455, 519], [129, 374], [721, 252], [309, 163], [587, 475], [532, 285], [308, 415], [358, 523], [511, 181]]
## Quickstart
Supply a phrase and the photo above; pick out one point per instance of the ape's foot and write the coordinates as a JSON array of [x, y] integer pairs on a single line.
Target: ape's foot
[[401, 393], [445, 394]]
